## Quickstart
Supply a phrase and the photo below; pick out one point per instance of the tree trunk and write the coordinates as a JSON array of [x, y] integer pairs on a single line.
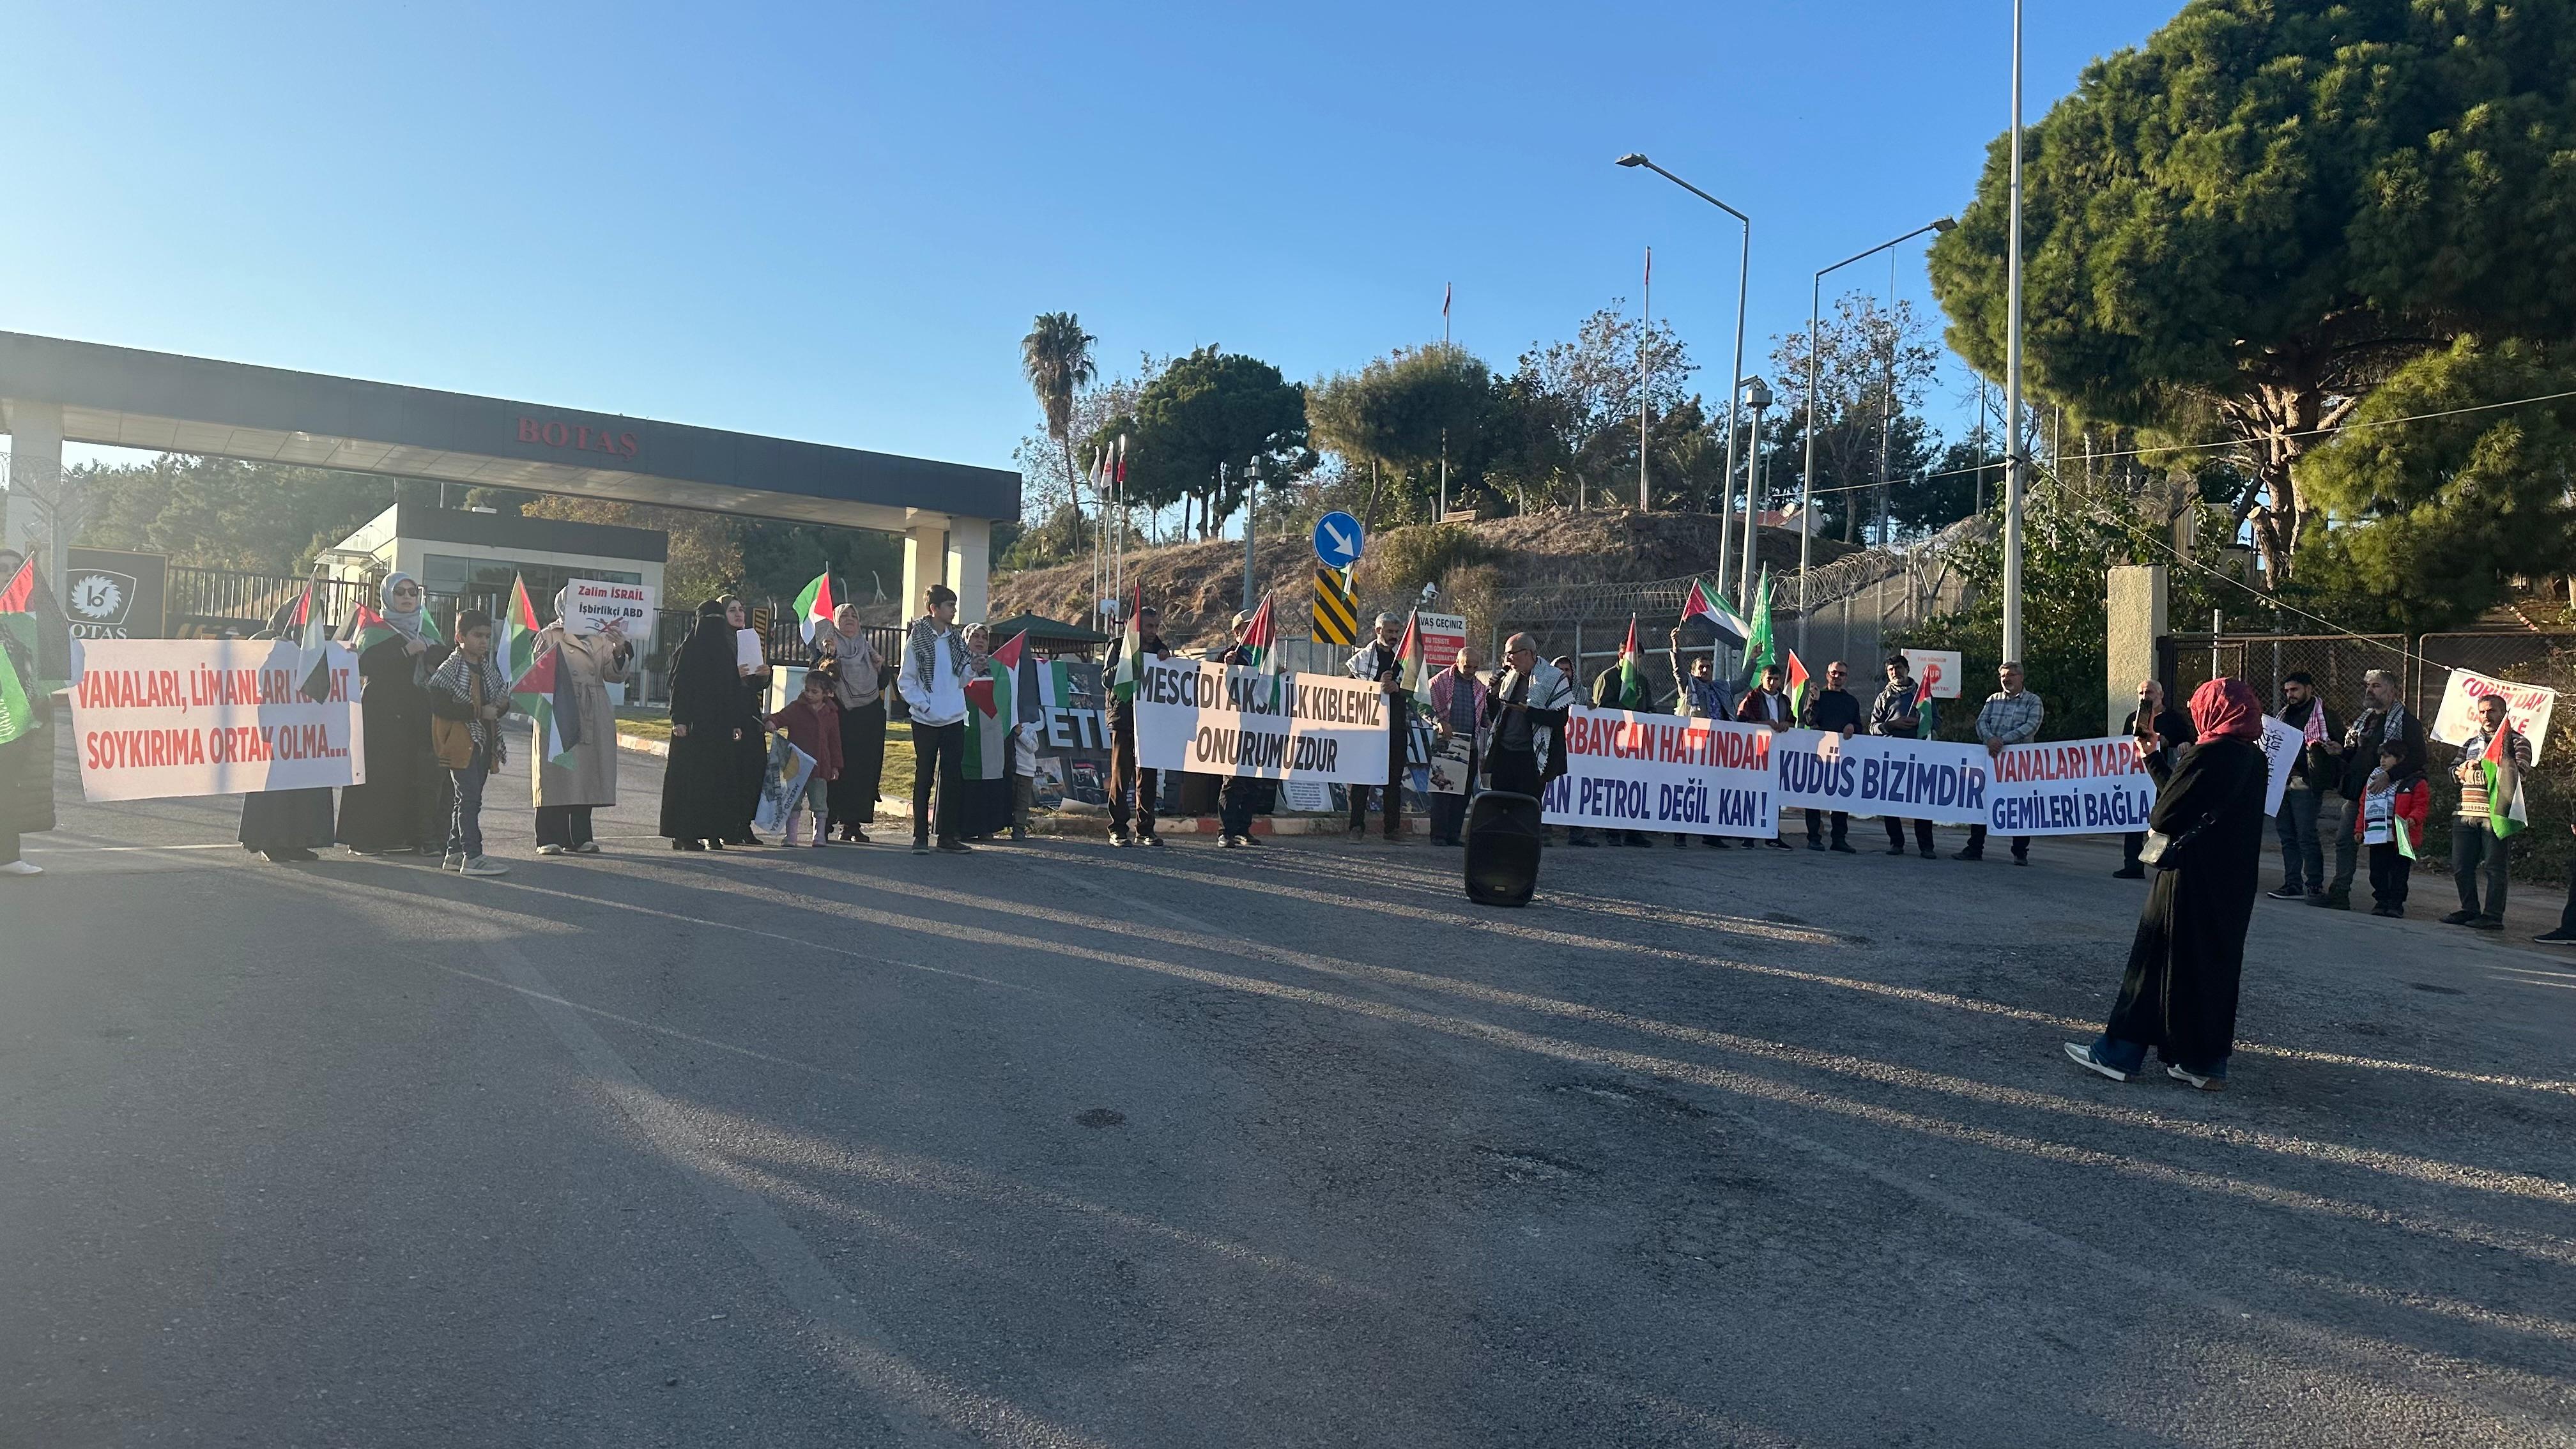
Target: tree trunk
[[1072, 476]]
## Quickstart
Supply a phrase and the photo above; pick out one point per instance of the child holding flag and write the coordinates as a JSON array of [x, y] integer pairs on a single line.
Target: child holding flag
[[467, 695]]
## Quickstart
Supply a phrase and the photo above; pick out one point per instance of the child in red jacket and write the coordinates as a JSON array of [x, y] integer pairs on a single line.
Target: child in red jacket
[[812, 723], [2390, 821]]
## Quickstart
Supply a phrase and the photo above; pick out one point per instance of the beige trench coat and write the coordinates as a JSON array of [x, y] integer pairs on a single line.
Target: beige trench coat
[[591, 778]]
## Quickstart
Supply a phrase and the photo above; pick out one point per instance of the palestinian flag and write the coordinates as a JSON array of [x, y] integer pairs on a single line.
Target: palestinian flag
[[1634, 692], [1408, 656], [366, 629], [1261, 639], [816, 605], [1121, 683], [1923, 706], [544, 693], [1797, 690], [538, 687], [28, 609], [1760, 649], [313, 644], [2505, 813], [992, 709], [1721, 617], [16, 714]]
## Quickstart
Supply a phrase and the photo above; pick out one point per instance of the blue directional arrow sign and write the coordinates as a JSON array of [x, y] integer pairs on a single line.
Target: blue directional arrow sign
[[1337, 540]]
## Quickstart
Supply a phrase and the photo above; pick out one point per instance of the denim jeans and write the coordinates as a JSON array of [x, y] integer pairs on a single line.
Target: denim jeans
[[465, 817], [2303, 862], [2475, 851]]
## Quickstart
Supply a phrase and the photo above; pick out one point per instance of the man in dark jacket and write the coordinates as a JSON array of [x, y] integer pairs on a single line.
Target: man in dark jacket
[[2303, 864], [1896, 714], [2382, 720], [1832, 710], [2167, 732], [1237, 797], [1122, 741], [1379, 662]]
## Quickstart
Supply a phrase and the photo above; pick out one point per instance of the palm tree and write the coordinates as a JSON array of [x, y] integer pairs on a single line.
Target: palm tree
[[1056, 356]]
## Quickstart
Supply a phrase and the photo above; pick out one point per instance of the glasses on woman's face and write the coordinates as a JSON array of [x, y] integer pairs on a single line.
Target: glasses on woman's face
[[406, 591]]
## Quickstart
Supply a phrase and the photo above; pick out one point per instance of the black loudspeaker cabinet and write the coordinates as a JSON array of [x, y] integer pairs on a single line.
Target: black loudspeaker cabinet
[[1502, 848]]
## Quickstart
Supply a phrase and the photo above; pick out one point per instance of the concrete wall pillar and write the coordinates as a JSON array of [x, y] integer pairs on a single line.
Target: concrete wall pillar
[[970, 565], [2137, 620], [925, 561], [35, 469]]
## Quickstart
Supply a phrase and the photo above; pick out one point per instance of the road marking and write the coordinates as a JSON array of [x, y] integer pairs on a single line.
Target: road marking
[[128, 849], [921, 1405]]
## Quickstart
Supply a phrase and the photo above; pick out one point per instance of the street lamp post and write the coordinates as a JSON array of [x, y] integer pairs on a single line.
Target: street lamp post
[[1743, 276], [1757, 396], [1807, 471]]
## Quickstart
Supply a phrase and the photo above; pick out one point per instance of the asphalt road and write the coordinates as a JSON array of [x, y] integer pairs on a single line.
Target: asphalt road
[[1059, 1145]]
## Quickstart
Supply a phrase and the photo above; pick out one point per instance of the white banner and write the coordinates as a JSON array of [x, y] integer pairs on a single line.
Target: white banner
[[153, 718], [2281, 744], [2070, 787], [1881, 775], [2527, 708], [1213, 719], [591, 605], [1630, 771]]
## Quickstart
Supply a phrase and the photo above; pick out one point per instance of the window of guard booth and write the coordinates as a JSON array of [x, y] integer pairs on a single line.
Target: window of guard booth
[[449, 574]]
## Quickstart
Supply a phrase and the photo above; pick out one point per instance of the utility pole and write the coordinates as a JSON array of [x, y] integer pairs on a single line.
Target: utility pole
[[1645, 330], [2014, 464], [1445, 294], [1251, 525]]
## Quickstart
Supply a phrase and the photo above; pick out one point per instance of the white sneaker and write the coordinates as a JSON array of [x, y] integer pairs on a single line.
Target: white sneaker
[[21, 867], [550, 850], [480, 865], [587, 847]]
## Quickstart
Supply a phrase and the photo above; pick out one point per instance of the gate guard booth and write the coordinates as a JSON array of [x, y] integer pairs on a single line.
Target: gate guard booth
[[54, 391]]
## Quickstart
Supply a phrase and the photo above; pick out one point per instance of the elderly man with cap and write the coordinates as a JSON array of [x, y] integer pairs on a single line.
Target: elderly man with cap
[[1378, 661], [1123, 772], [1236, 797]]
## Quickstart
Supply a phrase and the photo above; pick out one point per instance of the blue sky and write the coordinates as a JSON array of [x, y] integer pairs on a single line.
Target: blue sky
[[835, 222]]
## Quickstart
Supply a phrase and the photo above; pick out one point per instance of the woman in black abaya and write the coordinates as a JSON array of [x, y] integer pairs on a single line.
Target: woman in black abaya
[[404, 805], [285, 825], [2179, 995], [702, 780], [751, 747]]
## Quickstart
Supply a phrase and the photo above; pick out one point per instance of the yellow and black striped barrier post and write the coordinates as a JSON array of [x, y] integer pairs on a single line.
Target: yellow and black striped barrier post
[[1337, 615]]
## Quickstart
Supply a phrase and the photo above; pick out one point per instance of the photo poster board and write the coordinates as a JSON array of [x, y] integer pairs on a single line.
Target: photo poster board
[[1061, 700], [591, 605], [155, 719], [2527, 707]]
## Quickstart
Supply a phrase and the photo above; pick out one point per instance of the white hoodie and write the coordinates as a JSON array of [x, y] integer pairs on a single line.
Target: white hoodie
[[933, 681]]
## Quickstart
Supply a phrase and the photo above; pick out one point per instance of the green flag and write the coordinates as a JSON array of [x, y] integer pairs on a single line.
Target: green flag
[[15, 713], [1760, 650]]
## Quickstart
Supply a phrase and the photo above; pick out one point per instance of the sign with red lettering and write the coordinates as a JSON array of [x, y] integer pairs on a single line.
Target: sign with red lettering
[[1659, 772], [2070, 787], [1443, 635], [577, 437], [155, 718]]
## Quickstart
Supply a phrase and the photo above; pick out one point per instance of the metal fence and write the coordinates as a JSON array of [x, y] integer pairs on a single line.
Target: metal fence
[[2337, 662]]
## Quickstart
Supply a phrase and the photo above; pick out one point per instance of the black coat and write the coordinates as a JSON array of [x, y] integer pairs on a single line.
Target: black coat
[[2179, 994], [702, 781], [1831, 710], [404, 803]]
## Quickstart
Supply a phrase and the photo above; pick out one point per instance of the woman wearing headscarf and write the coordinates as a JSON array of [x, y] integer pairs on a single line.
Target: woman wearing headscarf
[[751, 748], [985, 802], [286, 825], [858, 687], [701, 784], [587, 781], [404, 805], [2179, 995]]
